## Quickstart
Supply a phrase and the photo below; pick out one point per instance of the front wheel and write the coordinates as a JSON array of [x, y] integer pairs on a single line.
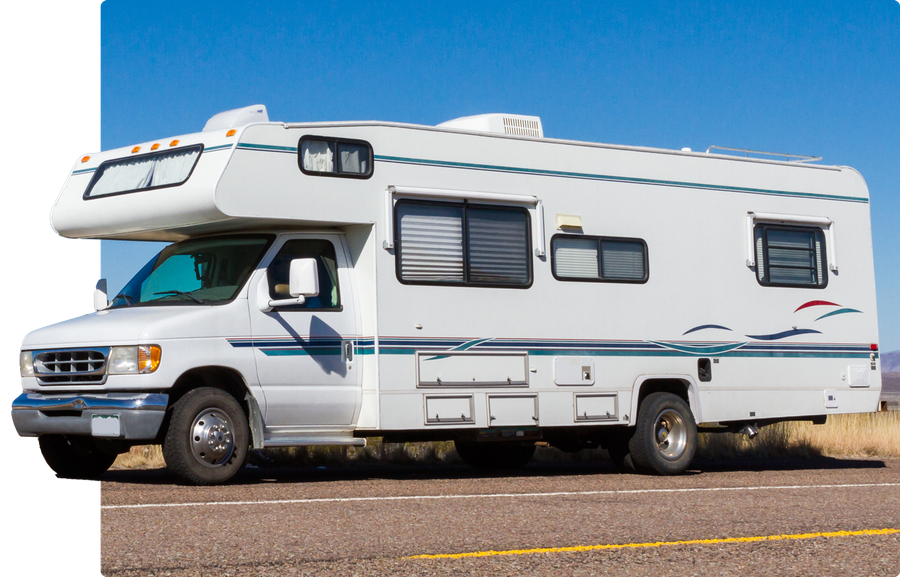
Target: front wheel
[[74, 457], [665, 436], [207, 438]]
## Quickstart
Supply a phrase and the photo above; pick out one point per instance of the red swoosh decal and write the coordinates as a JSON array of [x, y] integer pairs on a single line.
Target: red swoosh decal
[[816, 304]]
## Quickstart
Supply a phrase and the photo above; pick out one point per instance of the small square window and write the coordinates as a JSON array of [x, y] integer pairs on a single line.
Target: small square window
[[790, 256]]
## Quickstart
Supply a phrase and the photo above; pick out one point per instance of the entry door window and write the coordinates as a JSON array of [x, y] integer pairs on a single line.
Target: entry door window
[[279, 273]]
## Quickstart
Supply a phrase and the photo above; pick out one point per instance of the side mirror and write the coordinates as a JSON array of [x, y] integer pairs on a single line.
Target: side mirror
[[304, 278], [304, 282], [100, 298]]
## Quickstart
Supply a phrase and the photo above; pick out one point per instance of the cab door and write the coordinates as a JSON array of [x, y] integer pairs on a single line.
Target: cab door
[[305, 354]]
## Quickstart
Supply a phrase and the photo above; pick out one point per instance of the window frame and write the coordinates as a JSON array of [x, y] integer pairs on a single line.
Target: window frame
[[765, 253], [599, 240], [464, 204], [337, 279], [336, 141], [264, 253], [98, 173]]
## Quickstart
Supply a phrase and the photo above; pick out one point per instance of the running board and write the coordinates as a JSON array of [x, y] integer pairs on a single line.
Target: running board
[[309, 441]]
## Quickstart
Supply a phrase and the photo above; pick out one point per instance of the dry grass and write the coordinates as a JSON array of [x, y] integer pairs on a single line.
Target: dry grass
[[868, 435]]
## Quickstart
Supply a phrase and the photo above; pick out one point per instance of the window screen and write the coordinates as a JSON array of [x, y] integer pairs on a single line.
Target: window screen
[[790, 256], [463, 244], [599, 259]]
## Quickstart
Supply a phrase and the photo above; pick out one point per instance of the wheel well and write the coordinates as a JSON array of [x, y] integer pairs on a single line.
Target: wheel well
[[229, 380], [675, 386]]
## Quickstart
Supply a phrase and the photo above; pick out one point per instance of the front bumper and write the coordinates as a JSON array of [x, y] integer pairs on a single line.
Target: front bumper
[[138, 415]]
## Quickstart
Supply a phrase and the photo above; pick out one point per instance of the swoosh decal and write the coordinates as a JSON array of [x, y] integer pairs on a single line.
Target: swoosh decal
[[701, 327], [784, 335], [837, 312], [816, 304], [700, 350], [461, 347]]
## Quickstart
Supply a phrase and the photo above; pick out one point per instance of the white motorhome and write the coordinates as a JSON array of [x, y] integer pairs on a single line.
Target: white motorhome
[[473, 281]]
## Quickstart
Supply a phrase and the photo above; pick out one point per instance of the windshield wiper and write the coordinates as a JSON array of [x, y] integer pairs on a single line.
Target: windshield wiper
[[189, 295]]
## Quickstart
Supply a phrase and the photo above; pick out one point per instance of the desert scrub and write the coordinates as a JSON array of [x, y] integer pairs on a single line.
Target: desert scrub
[[866, 435]]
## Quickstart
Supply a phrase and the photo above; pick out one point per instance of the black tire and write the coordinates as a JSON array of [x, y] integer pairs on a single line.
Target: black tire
[[506, 456], [75, 457], [665, 435], [619, 453], [208, 437]]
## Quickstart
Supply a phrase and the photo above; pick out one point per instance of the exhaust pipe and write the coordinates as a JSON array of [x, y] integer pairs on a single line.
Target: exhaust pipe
[[750, 430]]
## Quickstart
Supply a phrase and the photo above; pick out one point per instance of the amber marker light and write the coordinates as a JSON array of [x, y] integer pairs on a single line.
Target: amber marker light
[[231, 132], [135, 149], [173, 143], [148, 358], [155, 146], [85, 158]]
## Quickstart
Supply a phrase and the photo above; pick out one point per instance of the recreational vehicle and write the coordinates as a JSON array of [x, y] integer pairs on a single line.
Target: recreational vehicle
[[473, 281]]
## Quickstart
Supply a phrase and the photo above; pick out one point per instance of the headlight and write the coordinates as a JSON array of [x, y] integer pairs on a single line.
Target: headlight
[[132, 360], [26, 363]]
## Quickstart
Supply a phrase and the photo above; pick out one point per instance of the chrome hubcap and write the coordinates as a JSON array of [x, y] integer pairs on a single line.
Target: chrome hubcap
[[212, 441], [671, 434]]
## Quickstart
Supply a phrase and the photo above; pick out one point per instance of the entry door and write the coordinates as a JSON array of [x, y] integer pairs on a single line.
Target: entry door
[[305, 354]]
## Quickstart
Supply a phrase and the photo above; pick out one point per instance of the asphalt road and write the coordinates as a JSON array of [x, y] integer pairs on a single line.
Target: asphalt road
[[819, 517]]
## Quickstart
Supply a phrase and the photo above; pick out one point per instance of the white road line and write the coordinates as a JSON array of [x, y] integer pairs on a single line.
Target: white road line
[[492, 496]]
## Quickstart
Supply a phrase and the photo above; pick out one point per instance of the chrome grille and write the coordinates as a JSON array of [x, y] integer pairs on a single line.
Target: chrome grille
[[70, 366]]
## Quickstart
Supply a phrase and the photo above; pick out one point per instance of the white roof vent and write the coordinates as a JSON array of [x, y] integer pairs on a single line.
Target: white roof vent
[[237, 117], [515, 124]]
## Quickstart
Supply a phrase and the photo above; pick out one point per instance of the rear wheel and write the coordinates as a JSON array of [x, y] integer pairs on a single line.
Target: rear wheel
[[75, 457], [207, 438], [495, 456], [665, 436]]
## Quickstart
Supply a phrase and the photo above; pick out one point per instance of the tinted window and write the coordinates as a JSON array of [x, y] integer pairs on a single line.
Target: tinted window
[[444, 243], [601, 259]]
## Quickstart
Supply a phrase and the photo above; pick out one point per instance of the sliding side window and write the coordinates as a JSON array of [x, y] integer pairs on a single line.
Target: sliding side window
[[599, 259], [322, 156], [463, 244], [790, 256]]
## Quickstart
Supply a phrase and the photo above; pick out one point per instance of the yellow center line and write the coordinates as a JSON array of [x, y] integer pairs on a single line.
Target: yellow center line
[[582, 548]]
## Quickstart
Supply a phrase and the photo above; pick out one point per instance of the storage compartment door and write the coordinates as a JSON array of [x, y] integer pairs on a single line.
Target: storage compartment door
[[513, 411]]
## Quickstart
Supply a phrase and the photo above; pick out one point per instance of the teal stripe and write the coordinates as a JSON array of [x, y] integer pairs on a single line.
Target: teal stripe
[[300, 352], [681, 354], [84, 170], [623, 179], [219, 147], [266, 147]]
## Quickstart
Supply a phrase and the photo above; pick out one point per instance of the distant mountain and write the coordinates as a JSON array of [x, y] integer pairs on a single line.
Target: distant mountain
[[890, 362]]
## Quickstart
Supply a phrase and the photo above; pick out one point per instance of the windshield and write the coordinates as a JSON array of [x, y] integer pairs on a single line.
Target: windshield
[[195, 272]]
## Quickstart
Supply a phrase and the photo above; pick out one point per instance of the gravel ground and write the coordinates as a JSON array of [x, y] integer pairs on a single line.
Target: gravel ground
[[371, 537]]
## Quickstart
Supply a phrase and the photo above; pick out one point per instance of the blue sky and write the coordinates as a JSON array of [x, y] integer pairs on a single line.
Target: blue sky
[[806, 77]]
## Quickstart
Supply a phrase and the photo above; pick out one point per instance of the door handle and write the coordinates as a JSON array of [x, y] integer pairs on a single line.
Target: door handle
[[348, 351]]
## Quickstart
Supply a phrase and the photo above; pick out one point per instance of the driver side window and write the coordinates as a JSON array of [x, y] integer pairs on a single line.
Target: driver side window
[[279, 271]]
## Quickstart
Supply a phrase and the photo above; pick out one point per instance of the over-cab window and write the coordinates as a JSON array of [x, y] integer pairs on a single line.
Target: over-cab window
[[790, 256], [463, 244], [322, 156], [144, 172], [599, 259]]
